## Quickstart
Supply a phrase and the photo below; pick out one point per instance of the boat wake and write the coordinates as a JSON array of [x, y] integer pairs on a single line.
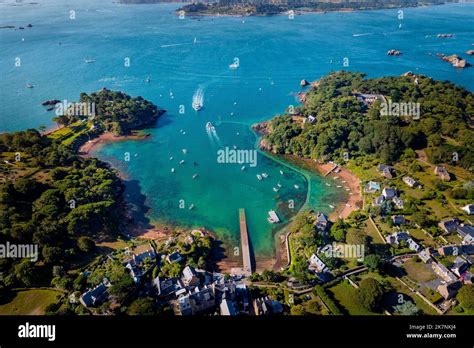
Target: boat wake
[[364, 34], [212, 134], [198, 98]]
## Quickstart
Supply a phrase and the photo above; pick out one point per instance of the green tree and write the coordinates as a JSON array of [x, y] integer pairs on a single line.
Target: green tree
[[142, 306], [370, 294], [373, 262], [85, 244]]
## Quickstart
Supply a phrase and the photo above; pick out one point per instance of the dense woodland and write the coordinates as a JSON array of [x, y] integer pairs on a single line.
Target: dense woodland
[[345, 124], [58, 200], [115, 112]]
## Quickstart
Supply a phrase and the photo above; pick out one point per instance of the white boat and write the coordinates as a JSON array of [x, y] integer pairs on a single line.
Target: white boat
[[171, 158], [275, 189], [296, 187], [338, 186], [273, 217], [198, 99], [327, 184], [331, 206], [281, 172], [147, 80], [184, 133], [29, 85], [195, 40], [233, 66], [259, 177], [89, 61], [195, 176], [242, 168], [172, 170], [279, 185], [185, 151], [235, 147], [197, 106], [191, 206], [181, 162], [265, 175], [210, 127]]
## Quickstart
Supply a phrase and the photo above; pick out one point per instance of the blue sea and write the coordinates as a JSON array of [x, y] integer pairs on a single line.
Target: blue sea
[[147, 50]]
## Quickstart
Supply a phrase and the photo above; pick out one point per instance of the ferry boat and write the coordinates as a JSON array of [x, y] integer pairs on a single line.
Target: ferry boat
[[259, 177], [210, 127], [273, 217]]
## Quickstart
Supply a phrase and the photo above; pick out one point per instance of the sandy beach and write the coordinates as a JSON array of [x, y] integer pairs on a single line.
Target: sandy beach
[[347, 180], [104, 138]]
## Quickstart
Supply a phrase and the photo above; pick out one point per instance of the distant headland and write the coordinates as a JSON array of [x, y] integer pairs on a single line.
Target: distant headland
[[275, 7]]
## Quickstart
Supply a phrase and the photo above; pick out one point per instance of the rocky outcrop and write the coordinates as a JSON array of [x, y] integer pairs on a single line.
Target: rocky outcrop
[[262, 128], [455, 60], [470, 52], [50, 102]]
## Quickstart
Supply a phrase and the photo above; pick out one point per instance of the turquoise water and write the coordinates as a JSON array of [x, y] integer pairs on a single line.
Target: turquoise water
[[275, 53]]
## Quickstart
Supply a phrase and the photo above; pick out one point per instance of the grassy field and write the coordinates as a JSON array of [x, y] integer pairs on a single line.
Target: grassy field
[[419, 271], [29, 302], [345, 294]]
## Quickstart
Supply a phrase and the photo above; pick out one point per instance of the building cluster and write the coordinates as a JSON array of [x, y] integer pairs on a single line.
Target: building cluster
[[452, 278], [194, 292], [452, 273]]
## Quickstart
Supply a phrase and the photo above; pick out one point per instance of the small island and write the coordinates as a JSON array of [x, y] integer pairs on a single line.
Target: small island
[[266, 8]]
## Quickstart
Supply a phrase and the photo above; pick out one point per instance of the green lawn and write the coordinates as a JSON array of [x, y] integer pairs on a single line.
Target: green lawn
[[345, 294], [425, 240], [419, 271], [29, 302]]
